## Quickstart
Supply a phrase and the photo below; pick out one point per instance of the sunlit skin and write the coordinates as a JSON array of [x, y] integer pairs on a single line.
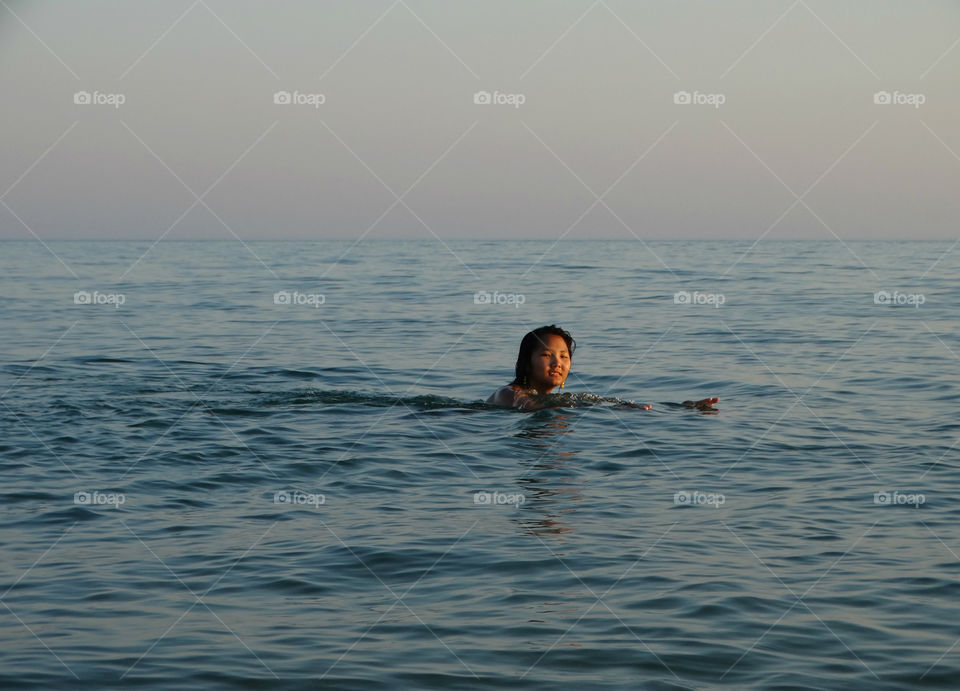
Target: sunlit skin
[[549, 367]]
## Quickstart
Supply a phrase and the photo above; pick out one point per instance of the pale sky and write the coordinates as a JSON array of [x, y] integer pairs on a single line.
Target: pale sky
[[786, 141]]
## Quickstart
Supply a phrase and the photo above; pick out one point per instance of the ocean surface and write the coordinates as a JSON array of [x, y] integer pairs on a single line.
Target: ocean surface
[[268, 465]]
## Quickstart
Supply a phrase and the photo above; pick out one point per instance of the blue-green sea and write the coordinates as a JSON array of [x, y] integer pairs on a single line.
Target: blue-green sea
[[269, 465]]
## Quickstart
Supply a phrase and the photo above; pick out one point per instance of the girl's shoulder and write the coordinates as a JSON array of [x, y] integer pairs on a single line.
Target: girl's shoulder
[[506, 395]]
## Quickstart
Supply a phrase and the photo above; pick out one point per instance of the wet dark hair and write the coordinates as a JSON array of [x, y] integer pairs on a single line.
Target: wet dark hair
[[529, 344]]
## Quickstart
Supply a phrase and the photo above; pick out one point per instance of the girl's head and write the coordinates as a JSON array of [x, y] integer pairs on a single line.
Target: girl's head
[[544, 359]]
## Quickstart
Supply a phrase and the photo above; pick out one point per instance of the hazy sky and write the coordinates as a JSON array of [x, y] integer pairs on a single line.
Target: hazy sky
[[787, 139]]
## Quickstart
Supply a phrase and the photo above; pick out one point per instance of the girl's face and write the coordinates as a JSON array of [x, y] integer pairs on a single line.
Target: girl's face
[[549, 363]]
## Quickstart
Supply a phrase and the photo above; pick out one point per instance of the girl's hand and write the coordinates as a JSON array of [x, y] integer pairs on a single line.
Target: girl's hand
[[705, 404], [630, 404]]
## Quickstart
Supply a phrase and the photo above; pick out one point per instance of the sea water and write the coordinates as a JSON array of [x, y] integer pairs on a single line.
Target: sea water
[[269, 465]]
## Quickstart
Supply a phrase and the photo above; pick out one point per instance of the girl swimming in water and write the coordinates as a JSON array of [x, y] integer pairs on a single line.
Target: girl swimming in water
[[543, 365]]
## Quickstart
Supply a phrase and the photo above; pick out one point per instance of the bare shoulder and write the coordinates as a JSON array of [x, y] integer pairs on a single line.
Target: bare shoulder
[[505, 396]]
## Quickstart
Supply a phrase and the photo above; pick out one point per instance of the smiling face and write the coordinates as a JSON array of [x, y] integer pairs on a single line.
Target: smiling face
[[549, 363]]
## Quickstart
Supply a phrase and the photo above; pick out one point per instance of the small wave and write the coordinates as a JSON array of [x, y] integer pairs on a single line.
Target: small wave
[[333, 397], [429, 401]]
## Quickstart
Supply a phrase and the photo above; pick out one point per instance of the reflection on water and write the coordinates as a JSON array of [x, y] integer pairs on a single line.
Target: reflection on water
[[550, 491]]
